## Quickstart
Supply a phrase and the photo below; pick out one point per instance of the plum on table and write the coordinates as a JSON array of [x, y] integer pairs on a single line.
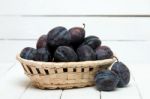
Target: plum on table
[[106, 80], [123, 72]]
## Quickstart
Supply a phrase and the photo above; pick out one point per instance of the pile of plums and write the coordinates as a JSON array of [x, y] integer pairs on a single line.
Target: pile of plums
[[62, 45]]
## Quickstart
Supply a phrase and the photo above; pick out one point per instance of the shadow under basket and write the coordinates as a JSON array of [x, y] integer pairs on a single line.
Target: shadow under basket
[[63, 75]]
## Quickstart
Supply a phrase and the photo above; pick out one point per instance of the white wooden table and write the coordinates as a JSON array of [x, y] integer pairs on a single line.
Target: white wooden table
[[124, 25], [15, 85]]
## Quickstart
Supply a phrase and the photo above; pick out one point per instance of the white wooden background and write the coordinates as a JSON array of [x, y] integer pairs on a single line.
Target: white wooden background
[[124, 25]]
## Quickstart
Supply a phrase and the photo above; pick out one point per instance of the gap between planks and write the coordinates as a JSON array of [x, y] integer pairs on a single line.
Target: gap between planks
[[78, 15], [136, 85], [61, 94], [106, 40]]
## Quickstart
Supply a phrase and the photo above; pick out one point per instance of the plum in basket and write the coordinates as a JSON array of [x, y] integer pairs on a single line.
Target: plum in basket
[[58, 36], [86, 53], [28, 53], [103, 52], [65, 54], [77, 35], [43, 55], [42, 42], [92, 41]]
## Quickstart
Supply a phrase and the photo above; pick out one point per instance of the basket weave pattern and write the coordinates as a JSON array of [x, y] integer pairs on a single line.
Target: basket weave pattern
[[52, 75]]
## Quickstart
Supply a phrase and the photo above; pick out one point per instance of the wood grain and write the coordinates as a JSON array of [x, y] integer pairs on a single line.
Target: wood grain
[[5, 67], [75, 7], [106, 28], [142, 79], [35, 93], [81, 93], [13, 84]]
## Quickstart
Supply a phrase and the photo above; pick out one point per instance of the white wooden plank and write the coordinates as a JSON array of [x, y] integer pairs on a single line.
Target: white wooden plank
[[74, 7], [9, 49], [130, 51], [129, 92], [13, 84], [104, 27], [81, 93], [4, 68], [34, 93], [142, 78], [10, 7]]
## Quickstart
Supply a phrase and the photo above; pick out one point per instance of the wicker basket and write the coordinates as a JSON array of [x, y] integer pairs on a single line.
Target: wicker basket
[[52, 75]]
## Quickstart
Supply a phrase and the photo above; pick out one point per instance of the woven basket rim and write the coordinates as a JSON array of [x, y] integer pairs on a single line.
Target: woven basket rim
[[63, 64], [56, 77]]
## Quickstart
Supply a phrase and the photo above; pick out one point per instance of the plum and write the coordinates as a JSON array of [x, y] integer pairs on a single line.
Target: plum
[[77, 35], [28, 53], [65, 54], [58, 36], [43, 55], [86, 53], [106, 80], [103, 52], [123, 72], [92, 41], [42, 42]]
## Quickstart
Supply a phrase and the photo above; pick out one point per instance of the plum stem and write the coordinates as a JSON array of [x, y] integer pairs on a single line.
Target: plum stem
[[116, 58], [84, 25]]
